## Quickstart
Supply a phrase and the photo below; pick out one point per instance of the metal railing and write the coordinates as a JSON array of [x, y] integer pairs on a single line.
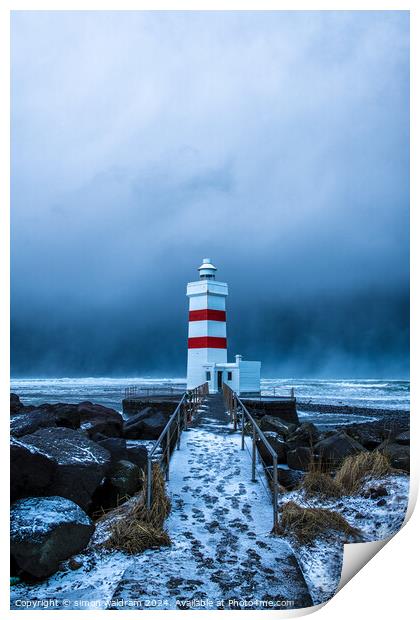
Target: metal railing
[[277, 392], [137, 391], [238, 414], [171, 434]]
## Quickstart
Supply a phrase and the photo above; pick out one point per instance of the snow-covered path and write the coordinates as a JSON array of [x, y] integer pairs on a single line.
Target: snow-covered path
[[222, 554]]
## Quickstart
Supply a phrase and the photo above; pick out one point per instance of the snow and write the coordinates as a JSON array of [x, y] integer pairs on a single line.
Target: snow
[[34, 517], [222, 550], [321, 561], [222, 554]]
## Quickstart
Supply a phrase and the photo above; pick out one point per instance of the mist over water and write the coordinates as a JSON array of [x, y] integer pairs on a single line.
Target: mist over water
[[275, 143]]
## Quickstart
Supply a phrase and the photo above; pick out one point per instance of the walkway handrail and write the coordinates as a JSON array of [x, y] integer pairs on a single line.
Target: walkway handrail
[[189, 403], [234, 403]]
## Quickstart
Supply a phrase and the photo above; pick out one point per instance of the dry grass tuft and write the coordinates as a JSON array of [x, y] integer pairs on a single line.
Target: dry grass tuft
[[321, 484], [357, 468], [141, 528], [308, 523]]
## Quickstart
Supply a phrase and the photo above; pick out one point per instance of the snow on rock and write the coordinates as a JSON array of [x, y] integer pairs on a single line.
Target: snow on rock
[[80, 464], [31, 469], [222, 554], [378, 512], [45, 531]]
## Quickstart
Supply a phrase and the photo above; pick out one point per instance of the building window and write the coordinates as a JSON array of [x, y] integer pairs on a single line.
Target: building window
[[229, 376], [208, 376]]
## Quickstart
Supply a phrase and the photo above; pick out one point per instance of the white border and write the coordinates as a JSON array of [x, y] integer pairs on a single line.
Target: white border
[[387, 585]]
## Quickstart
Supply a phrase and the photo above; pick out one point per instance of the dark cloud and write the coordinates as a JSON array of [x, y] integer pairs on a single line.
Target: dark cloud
[[276, 143]]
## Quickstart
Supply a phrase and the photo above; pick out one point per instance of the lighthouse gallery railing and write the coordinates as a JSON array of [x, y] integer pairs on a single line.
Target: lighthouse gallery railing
[[238, 411], [171, 434]]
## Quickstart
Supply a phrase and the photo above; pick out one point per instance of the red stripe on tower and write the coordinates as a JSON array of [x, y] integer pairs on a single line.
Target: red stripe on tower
[[207, 315], [207, 342]]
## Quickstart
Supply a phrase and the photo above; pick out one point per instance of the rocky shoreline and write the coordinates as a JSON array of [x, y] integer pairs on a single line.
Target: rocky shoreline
[[350, 409], [69, 462]]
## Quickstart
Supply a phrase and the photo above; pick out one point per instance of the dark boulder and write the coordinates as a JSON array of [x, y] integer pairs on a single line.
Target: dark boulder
[[45, 531], [30, 421], [66, 415], [278, 446], [289, 478], [306, 435], [398, 455], [277, 425], [300, 458], [368, 435], [403, 438], [137, 454], [375, 492], [116, 446], [154, 425], [125, 478], [96, 419], [31, 469], [133, 427], [148, 424], [80, 463], [15, 404], [335, 448]]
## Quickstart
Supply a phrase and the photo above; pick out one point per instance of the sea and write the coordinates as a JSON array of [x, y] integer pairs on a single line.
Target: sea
[[368, 393]]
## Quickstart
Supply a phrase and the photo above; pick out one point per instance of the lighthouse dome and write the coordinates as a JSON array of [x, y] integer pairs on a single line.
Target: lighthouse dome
[[207, 270]]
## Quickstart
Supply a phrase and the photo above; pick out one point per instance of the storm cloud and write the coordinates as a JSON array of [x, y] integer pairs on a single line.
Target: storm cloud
[[277, 143]]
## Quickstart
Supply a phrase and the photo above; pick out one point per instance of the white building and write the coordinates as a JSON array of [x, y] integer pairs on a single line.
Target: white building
[[207, 342]]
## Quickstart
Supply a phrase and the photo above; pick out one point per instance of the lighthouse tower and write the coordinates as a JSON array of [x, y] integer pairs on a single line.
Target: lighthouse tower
[[207, 342]]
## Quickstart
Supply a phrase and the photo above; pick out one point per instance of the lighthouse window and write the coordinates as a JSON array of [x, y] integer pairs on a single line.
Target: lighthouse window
[[208, 375], [229, 375]]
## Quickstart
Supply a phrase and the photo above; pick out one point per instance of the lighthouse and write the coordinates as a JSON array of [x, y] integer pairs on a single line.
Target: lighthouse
[[207, 338]]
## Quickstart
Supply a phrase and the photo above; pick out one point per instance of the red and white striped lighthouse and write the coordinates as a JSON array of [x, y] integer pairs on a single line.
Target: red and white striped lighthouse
[[207, 342]]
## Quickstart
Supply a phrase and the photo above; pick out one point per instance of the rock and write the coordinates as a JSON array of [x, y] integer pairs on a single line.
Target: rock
[[381, 502], [333, 449], [31, 469], [289, 478], [300, 458], [277, 444], [403, 438], [122, 482], [74, 564], [277, 425], [306, 435], [80, 463], [133, 427], [116, 446], [98, 419], [148, 424], [125, 478], [30, 421], [399, 456], [45, 531], [15, 403], [368, 436], [66, 415], [137, 454], [375, 492]]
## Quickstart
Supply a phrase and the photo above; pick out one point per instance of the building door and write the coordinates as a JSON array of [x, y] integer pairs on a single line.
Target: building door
[[219, 379]]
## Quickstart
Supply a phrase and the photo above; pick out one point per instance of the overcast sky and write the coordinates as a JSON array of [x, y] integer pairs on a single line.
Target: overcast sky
[[275, 143]]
